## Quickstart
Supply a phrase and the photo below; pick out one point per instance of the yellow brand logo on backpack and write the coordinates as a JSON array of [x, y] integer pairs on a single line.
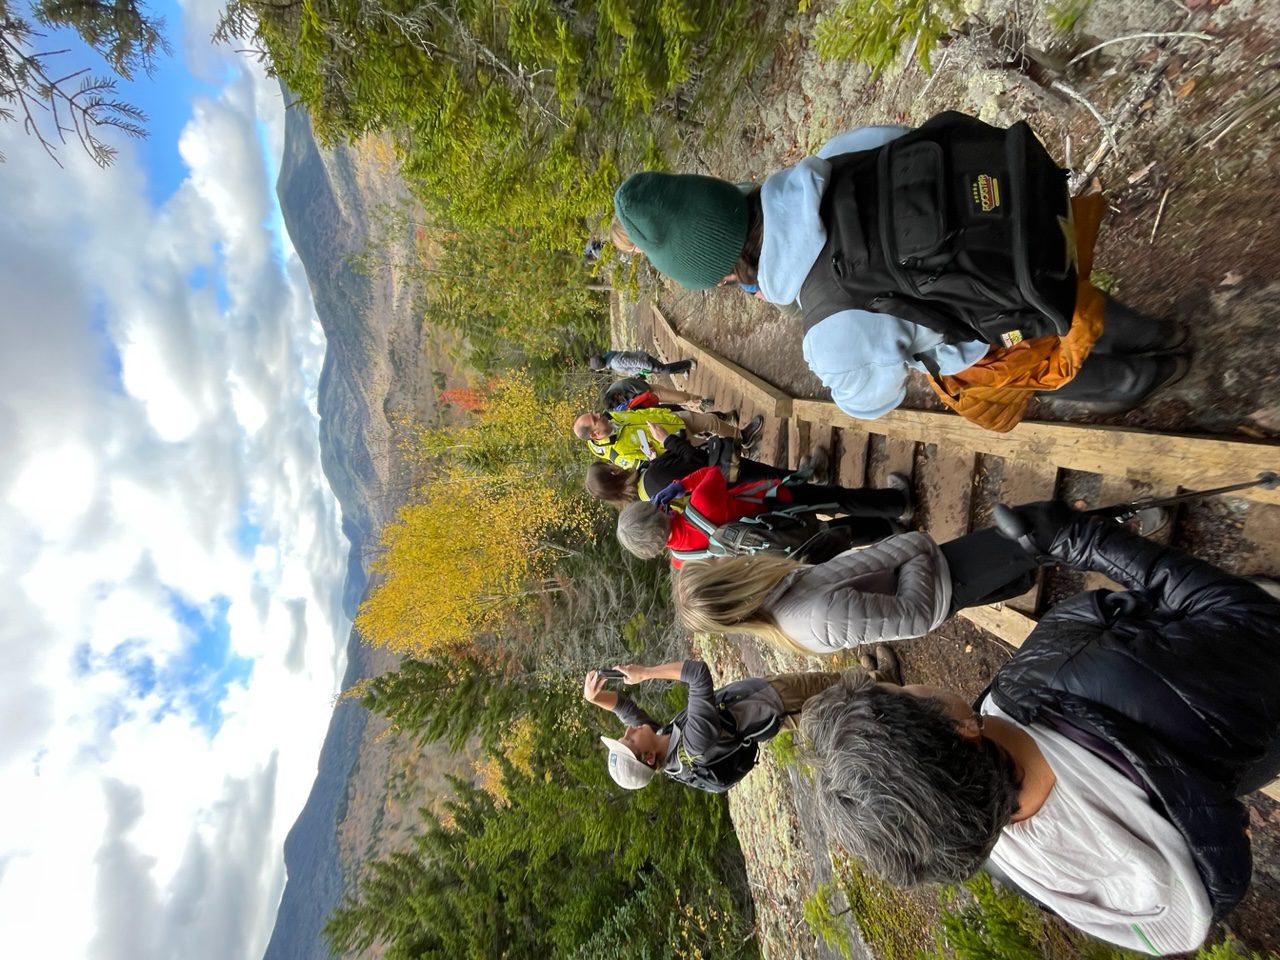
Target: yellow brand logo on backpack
[[986, 192]]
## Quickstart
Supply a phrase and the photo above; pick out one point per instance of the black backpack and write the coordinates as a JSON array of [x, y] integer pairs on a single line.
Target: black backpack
[[788, 530], [721, 774], [958, 226], [733, 761]]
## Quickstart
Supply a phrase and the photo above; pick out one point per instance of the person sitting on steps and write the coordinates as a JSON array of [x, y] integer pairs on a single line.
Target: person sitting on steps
[[1099, 772], [637, 363], [647, 529], [786, 236], [901, 587], [637, 393], [618, 487], [623, 438]]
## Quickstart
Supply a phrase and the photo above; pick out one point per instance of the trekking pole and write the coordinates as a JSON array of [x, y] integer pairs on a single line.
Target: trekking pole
[[1016, 528], [1267, 480]]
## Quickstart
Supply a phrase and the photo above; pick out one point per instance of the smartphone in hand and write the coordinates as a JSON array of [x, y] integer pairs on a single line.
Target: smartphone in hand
[[609, 673]]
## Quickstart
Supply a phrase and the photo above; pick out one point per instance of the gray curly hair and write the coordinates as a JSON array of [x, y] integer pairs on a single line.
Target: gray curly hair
[[643, 529], [900, 789]]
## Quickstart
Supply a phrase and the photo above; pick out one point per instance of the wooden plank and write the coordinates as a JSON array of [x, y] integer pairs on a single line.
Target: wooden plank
[[1026, 481], [1158, 458], [769, 399], [851, 470], [1001, 620], [1023, 481], [798, 442], [1272, 790], [944, 486], [900, 457], [824, 438], [1262, 531], [769, 449]]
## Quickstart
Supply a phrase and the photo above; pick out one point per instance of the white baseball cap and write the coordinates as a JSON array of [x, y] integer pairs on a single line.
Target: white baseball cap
[[628, 770]]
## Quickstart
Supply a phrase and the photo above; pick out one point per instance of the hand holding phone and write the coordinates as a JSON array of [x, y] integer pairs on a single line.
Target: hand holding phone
[[609, 673]]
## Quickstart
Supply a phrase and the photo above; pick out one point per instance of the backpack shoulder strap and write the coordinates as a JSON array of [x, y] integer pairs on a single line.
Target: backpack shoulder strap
[[700, 521]]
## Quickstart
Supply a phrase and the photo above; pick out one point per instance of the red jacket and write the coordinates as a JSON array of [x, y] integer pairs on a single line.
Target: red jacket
[[711, 497]]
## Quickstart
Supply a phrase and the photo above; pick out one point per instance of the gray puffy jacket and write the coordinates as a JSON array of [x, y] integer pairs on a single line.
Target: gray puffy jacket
[[892, 590]]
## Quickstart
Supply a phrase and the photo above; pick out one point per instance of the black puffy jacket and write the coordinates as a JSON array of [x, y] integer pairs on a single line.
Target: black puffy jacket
[[1176, 680]]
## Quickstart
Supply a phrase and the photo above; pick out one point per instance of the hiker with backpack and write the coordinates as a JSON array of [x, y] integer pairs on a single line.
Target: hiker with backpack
[[902, 587], [624, 438], [637, 393], [1099, 773], [714, 742], [637, 363], [680, 457], [685, 516], [952, 250]]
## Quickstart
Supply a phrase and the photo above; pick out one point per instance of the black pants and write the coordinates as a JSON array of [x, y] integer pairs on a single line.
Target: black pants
[[751, 470], [675, 366], [987, 567], [870, 515], [1129, 360], [854, 501]]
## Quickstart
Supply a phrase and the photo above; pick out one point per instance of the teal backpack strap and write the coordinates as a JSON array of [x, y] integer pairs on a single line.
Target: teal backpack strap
[[757, 490], [684, 556], [700, 521]]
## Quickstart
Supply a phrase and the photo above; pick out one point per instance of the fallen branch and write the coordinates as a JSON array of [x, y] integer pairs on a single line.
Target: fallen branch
[[1084, 101], [1259, 106], [1122, 118], [934, 76], [1159, 213], [1143, 36]]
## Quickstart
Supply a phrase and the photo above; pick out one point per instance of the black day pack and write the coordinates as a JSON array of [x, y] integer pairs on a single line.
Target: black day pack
[[733, 757], [959, 226]]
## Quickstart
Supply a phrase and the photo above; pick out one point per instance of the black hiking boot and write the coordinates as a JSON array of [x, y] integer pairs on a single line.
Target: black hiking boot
[[901, 483], [750, 434], [818, 463]]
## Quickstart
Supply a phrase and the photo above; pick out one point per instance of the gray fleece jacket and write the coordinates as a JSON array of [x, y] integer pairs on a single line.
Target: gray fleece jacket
[[892, 590]]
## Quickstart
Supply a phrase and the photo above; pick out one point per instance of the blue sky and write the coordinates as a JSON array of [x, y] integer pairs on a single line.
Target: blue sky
[[165, 96], [172, 631]]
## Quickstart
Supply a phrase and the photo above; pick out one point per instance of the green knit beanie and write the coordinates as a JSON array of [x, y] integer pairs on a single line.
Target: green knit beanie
[[691, 228]]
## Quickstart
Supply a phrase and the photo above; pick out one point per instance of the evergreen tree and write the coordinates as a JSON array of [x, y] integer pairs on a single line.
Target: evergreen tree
[[562, 861], [451, 700], [514, 112], [53, 104]]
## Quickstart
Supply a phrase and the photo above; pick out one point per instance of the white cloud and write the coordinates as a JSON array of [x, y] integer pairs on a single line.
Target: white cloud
[[170, 636]]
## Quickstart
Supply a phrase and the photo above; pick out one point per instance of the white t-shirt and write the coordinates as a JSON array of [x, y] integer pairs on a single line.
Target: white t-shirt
[[1101, 858]]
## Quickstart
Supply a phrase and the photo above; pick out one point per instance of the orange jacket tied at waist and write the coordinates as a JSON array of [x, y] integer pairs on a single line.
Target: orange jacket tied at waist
[[995, 391]]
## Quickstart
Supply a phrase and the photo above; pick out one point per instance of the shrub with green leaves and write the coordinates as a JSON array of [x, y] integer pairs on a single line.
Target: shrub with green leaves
[[982, 922], [519, 113], [875, 32]]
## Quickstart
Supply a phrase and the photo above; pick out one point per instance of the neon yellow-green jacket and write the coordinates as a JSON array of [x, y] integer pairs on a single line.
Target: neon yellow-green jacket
[[631, 443]]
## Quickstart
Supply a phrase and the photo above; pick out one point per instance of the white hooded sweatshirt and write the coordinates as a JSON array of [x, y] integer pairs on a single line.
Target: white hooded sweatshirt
[[862, 357]]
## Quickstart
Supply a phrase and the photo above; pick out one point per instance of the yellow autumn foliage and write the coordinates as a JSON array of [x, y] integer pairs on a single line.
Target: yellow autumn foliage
[[485, 536], [517, 746]]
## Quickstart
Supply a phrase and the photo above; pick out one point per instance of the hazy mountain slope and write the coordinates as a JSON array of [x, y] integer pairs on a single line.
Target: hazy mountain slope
[[375, 364]]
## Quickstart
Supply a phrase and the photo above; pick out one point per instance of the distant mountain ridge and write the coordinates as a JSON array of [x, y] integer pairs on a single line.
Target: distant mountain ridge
[[325, 198]]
